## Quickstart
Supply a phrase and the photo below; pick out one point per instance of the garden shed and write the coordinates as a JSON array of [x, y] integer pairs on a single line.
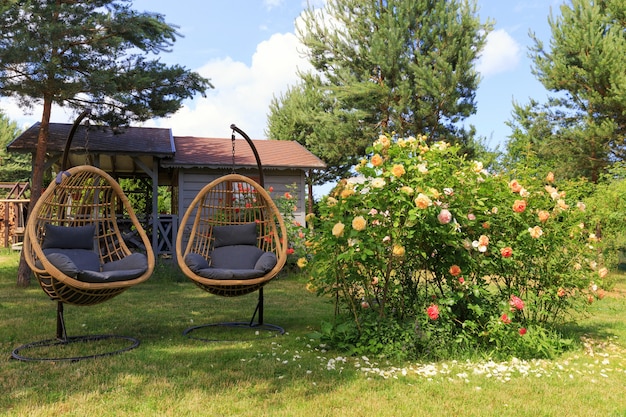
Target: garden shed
[[185, 164]]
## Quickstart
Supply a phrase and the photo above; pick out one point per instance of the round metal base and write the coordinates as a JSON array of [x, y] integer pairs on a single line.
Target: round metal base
[[271, 329], [16, 354]]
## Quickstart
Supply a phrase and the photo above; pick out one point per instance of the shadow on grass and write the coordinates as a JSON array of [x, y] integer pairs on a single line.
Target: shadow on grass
[[157, 312]]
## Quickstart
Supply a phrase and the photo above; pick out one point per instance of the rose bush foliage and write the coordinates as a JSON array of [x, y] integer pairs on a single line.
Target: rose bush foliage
[[426, 253]]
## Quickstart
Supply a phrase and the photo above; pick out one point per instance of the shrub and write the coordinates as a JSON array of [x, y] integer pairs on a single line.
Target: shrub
[[296, 232], [429, 252]]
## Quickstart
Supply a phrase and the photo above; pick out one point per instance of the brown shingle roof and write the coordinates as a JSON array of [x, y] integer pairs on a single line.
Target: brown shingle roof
[[130, 141], [179, 151], [217, 153]]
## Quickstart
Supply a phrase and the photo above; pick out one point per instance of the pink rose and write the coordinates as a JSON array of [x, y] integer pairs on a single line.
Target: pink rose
[[444, 216], [516, 302]]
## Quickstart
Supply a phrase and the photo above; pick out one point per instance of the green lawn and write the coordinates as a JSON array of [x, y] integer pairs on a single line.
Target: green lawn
[[288, 375]]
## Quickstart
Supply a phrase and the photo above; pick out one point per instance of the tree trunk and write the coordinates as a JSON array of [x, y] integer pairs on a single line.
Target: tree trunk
[[23, 271]]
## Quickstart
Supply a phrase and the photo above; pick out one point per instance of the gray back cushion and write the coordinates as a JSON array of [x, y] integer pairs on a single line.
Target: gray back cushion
[[236, 234], [75, 237]]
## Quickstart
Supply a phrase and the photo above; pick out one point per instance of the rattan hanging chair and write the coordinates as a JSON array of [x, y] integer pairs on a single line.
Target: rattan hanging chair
[[76, 250], [232, 239]]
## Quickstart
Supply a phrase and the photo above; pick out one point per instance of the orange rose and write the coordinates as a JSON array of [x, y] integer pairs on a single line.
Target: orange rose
[[543, 216], [455, 270], [519, 206], [515, 186], [506, 252], [377, 160]]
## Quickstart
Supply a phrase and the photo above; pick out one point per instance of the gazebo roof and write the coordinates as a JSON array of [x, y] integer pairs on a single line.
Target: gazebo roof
[[95, 139], [120, 151]]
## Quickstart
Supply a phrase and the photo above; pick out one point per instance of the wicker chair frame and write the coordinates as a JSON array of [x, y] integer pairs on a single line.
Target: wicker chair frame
[[87, 195], [233, 199], [80, 196]]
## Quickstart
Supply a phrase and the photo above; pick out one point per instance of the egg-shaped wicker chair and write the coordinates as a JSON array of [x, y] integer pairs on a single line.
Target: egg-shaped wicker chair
[[76, 250], [232, 240]]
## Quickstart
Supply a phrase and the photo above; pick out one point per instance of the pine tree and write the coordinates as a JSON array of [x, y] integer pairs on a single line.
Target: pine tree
[[392, 65], [585, 67], [94, 54], [13, 167]]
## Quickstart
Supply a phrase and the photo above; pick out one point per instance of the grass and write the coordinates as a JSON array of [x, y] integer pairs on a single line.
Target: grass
[[288, 375]]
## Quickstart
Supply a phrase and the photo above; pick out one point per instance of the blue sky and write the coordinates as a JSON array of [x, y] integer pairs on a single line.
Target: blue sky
[[249, 50]]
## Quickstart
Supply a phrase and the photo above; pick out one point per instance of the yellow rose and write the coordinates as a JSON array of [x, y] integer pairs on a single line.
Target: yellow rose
[[398, 251], [398, 170], [302, 262], [346, 192], [543, 216], [435, 192], [422, 201], [407, 190], [377, 160], [378, 182], [338, 229], [535, 232], [359, 223], [383, 141]]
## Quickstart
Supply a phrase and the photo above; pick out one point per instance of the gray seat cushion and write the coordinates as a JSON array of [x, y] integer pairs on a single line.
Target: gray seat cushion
[[110, 276], [232, 262], [130, 262], [228, 274], [196, 262], [84, 265], [266, 262], [70, 260]]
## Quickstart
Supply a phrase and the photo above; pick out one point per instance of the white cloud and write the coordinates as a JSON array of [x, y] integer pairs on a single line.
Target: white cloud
[[500, 54], [242, 93], [270, 4], [25, 118]]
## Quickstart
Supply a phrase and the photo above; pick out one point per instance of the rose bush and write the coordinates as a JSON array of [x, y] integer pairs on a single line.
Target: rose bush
[[286, 204], [425, 252]]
